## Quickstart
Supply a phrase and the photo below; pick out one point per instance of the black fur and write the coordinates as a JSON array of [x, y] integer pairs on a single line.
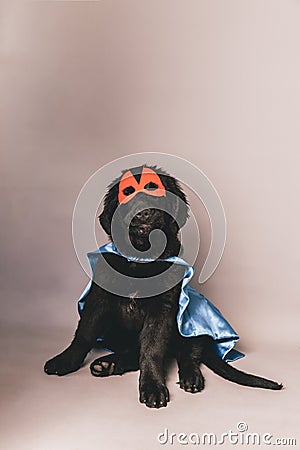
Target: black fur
[[142, 332]]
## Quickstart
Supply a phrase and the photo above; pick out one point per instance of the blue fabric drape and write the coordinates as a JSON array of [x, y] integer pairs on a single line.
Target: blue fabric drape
[[196, 314]]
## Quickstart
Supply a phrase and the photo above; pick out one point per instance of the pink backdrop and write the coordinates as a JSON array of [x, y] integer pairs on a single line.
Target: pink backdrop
[[215, 82]]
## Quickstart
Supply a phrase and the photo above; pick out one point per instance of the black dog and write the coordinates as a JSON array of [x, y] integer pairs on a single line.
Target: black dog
[[142, 332]]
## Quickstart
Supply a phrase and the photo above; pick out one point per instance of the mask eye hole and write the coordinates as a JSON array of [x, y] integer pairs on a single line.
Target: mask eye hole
[[128, 190], [151, 186]]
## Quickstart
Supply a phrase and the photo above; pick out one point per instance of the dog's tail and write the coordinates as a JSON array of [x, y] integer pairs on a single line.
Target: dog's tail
[[222, 368]]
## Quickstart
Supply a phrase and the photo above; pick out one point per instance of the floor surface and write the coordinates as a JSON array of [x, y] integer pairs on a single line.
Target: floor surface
[[80, 412]]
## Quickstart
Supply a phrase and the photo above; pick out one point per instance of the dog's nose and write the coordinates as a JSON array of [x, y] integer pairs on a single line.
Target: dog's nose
[[143, 215]]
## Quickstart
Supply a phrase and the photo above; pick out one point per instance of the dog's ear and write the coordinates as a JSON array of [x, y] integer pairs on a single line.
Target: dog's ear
[[109, 207], [178, 205]]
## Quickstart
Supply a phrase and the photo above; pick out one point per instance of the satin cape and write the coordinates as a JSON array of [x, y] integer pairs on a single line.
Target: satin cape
[[196, 314]]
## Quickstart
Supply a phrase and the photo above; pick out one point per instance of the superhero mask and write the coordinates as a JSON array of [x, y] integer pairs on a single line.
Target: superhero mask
[[149, 183]]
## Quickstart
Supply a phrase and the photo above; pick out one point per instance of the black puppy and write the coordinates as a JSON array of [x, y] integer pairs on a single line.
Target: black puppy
[[142, 331]]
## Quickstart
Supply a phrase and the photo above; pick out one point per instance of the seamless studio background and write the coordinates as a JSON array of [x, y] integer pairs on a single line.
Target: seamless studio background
[[83, 83]]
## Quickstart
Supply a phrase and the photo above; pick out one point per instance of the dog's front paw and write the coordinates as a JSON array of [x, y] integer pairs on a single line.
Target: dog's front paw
[[61, 365], [191, 380], [154, 395]]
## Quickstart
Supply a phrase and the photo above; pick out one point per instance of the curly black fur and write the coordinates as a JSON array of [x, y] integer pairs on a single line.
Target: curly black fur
[[142, 332]]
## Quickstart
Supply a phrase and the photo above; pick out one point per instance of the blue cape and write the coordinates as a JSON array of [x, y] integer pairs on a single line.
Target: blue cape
[[196, 315]]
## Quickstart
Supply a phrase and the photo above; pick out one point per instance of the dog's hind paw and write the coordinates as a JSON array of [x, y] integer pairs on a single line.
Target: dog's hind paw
[[104, 368], [112, 365], [192, 381]]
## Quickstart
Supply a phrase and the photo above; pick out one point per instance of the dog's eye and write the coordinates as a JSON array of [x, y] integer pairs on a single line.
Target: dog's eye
[[129, 190], [151, 186]]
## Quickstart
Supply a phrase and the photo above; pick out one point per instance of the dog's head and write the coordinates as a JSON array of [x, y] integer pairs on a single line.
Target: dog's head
[[144, 199]]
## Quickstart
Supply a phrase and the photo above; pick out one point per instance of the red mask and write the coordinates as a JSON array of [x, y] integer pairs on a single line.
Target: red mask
[[150, 184]]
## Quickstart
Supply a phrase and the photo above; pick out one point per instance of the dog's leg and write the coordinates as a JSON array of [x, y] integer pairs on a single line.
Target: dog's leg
[[188, 354], [154, 339], [73, 356], [115, 364]]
